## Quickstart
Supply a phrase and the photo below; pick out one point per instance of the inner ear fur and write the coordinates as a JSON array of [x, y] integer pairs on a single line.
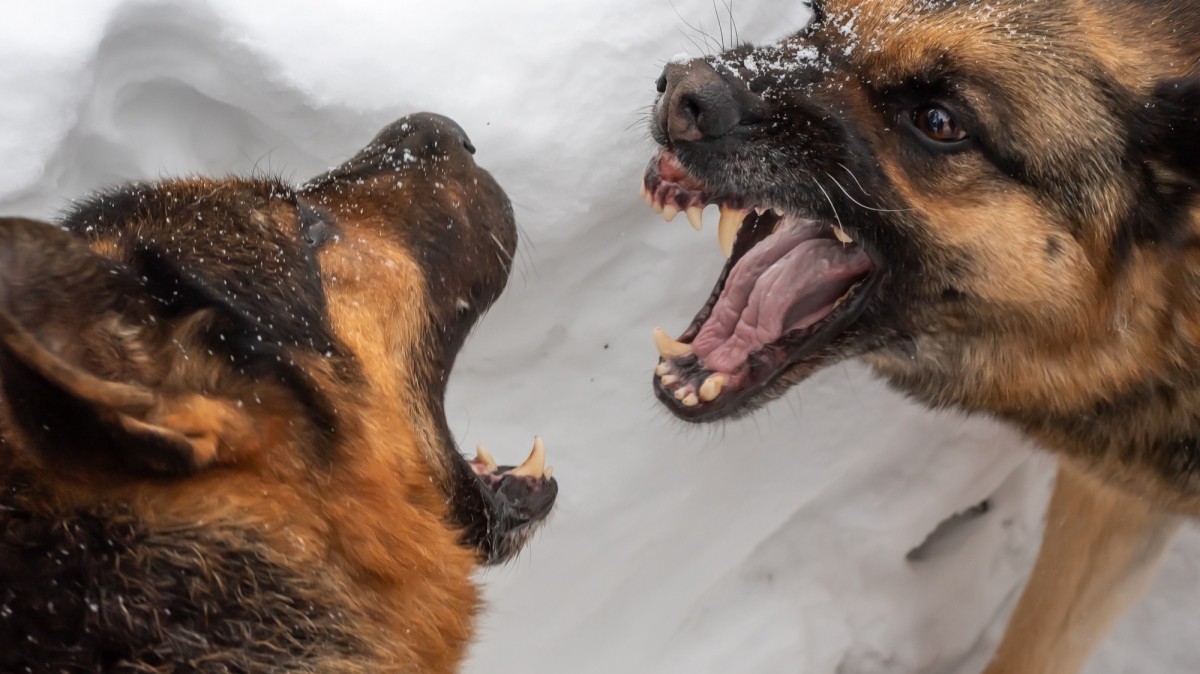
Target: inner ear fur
[[79, 375]]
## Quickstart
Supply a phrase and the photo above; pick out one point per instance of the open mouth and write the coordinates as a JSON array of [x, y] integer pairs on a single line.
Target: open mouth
[[529, 489], [500, 507], [792, 287]]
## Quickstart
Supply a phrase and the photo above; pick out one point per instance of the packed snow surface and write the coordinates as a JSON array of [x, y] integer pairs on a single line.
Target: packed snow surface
[[776, 544]]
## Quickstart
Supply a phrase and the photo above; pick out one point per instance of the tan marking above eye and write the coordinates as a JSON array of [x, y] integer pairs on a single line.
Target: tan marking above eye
[[938, 124]]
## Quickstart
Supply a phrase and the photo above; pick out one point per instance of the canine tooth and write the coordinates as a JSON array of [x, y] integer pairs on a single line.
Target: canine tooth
[[668, 379], [695, 215], [727, 229], [535, 465], [663, 368], [691, 400], [484, 457], [841, 234], [711, 388], [667, 347], [669, 212]]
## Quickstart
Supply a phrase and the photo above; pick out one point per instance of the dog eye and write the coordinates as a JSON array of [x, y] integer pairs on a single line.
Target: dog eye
[[937, 123]]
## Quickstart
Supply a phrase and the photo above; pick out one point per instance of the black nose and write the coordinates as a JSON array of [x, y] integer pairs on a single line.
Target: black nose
[[424, 133], [697, 102]]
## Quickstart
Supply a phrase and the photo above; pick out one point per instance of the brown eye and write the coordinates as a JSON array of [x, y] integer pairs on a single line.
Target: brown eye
[[937, 123]]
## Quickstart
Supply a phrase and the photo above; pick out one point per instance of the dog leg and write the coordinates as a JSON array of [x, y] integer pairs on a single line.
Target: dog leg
[[1100, 551]]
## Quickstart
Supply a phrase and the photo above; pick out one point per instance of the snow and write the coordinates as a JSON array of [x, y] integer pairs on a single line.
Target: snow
[[775, 544]]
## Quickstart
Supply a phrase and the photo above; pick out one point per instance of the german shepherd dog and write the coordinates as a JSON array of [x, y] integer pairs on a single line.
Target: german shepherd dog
[[994, 205], [222, 439]]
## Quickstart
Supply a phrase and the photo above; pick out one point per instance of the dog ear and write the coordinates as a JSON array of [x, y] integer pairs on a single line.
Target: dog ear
[[1175, 124], [78, 370]]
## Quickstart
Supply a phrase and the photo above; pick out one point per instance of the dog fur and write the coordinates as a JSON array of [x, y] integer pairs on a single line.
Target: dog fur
[[222, 443], [1044, 270]]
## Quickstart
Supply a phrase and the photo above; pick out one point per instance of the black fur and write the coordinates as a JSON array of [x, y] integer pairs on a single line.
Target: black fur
[[175, 243], [134, 600]]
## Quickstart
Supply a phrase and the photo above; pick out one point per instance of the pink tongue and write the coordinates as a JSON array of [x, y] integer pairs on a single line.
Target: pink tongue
[[787, 282]]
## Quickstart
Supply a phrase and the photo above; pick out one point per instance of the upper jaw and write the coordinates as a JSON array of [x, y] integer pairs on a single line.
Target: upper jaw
[[456, 223]]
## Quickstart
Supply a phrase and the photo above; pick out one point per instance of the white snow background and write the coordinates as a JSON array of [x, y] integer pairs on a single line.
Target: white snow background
[[772, 545]]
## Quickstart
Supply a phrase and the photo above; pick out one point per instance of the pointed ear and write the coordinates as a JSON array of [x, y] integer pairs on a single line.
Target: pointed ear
[[1176, 124], [77, 366]]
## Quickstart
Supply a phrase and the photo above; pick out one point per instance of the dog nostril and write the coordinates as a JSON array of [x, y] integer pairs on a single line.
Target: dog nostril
[[470, 148], [699, 103], [692, 109], [661, 84]]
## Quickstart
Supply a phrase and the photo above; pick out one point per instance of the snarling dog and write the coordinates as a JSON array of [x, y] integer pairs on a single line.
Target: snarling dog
[[222, 439], [995, 206]]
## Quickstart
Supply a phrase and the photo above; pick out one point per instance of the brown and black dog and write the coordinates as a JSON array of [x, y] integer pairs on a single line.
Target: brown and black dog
[[995, 205], [222, 438]]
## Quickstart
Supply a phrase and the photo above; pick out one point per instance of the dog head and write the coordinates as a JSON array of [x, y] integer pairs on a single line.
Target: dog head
[[294, 343], [971, 195]]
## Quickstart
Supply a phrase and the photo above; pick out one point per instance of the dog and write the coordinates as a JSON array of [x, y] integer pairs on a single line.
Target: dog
[[223, 446], [995, 206]]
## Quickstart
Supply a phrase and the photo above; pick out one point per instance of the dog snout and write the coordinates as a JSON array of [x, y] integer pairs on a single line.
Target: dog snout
[[698, 103]]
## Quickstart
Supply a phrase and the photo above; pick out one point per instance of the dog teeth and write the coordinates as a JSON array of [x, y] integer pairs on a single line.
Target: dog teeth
[[535, 464], [761, 209], [549, 473], [669, 379], [695, 215], [662, 369], [668, 347], [669, 212], [841, 235], [690, 400], [482, 456], [727, 229], [711, 388], [645, 193]]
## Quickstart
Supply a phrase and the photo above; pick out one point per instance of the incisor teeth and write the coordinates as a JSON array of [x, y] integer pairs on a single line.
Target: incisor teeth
[[535, 465], [761, 209], [669, 212], [484, 457], [711, 388], [695, 216], [667, 347], [727, 229], [691, 400], [549, 473], [668, 379], [841, 234], [663, 368], [645, 192], [681, 394]]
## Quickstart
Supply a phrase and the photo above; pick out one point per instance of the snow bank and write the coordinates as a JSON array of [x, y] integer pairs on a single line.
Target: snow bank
[[777, 544]]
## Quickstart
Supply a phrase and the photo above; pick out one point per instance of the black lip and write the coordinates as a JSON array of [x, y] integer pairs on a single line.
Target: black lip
[[814, 347]]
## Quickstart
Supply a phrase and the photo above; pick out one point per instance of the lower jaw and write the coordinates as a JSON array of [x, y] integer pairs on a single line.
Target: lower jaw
[[766, 374]]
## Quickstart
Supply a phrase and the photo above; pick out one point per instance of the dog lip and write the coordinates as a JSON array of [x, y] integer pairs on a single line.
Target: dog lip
[[809, 348], [765, 366]]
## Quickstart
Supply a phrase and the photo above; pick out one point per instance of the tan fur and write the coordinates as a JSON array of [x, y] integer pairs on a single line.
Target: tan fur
[[359, 519], [1043, 267], [1101, 550]]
